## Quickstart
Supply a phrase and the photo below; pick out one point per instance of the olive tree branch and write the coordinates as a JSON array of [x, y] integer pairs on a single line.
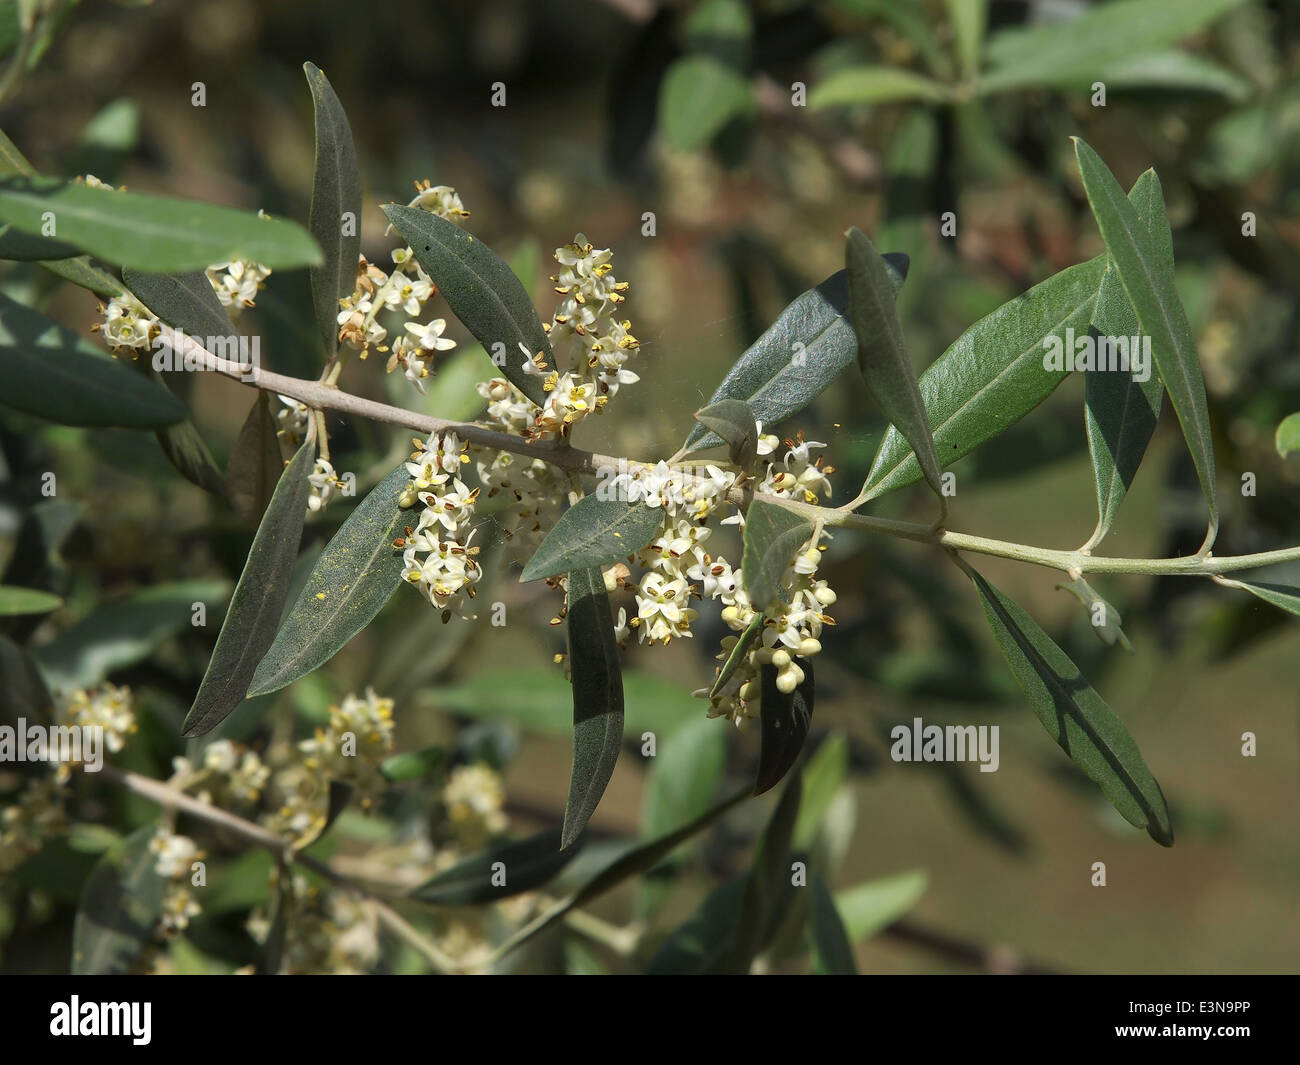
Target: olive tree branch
[[320, 396]]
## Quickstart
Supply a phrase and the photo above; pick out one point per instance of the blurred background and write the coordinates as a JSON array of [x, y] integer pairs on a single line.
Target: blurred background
[[751, 196]]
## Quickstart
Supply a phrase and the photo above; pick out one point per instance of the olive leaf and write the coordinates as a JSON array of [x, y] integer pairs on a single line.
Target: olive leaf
[[595, 531], [120, 908], [882, 353], [786, 718], [1287, 438], [992, 375], [335, 218], [801, 353], [258, 602], [597, 699], [1074, 714], [255, 462], [15, 601], [482, 290], [498, 872], [738, 652], [1105, 619], [734, 422], [354, 577], [1279, 595], [773, 535], [49, 371], [159, 234], [1138, 250], [184, 301], [832, 950]]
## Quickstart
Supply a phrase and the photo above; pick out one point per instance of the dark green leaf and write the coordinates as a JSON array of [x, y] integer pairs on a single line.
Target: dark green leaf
[[882, 353], [255, 462], [153, 233], [1120, 412], [992, 375], [768, 884], [593, 532], [1075, 715], [834, 952], [597, 699], [1137, 249], [188, 453], [49, 371], [525, 865], [120, 908], [803, 351], [785, 719], [18, 246], [25, 694], [184, 301], [356, 575], [636, 860], [336, 194], [258, 602], [773, 536], [734, 422], [118, 634], [697, 945], [482, 290]]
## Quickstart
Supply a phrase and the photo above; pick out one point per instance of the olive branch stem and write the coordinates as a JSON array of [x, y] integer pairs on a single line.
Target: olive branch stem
[[322, 396]]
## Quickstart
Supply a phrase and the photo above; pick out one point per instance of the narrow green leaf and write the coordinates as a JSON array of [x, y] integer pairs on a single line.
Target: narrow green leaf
[[1104, 618], [15, 600], [743, 643], [824, 774], [482, 290], [258, 602], [152, 233], [500, 871], [120, 633], [803, 351], [882, 353], [832, 949], [636, 860], [335, 219], [593, 532], [768, 883], [685, 773], [1052, 53], [773, 535], [184, 301], [25, 692], [1121, 413], [697, 945], [721, 28], [873, 906], [119, 909], [1280, 595], [80, 271], [1288, 435], [870, 84], [732, 420], [49, 371], [992, 375], [1149, 282], [597, 699], [699, 95], [355, 576], [18, 246], [190, 456], [255, 462], [1074, 715], [1173, 71], [785, 721], [968, 19]]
